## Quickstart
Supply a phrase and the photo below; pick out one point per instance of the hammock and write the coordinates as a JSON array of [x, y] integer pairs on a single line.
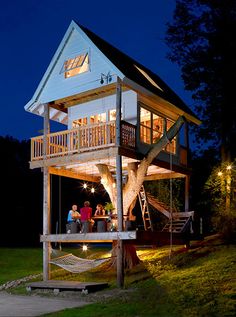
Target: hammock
[[74, 264]]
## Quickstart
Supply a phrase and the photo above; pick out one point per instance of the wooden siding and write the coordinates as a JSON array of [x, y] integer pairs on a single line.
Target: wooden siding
[[58, 86], [104, 104]]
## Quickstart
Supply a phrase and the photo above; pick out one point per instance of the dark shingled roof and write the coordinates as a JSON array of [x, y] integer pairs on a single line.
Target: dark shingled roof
[[127, 66]]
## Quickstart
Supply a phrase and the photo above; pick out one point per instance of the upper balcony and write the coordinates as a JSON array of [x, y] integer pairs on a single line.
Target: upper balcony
[[91, 138], [85, 138]]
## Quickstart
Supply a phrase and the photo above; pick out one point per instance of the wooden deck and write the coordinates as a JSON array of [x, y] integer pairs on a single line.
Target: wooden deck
[[95, 237], [57, 286], [157, 238]]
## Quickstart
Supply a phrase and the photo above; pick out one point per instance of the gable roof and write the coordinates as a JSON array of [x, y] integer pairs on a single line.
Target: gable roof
[[133, 74], [137, 72]]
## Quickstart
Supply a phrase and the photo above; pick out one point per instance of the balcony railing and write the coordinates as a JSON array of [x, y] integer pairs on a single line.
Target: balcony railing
[[81, 139]]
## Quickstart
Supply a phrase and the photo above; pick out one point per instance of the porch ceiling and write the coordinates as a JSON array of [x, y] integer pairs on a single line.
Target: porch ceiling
[[88, 170]]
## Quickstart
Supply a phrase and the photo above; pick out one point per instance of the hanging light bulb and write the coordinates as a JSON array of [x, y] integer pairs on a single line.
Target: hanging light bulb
[[84, 247], [85, 185], [92, 190]]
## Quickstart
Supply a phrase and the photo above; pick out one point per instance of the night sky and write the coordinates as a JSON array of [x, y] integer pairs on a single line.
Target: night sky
[[31, 31]]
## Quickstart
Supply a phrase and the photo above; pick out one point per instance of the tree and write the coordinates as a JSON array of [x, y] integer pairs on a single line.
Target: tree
[[136, 173], [202, 42], [220, 187]]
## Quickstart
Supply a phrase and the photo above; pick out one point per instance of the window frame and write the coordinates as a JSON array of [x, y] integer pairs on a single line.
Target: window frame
[[170, 148], [72, 60]]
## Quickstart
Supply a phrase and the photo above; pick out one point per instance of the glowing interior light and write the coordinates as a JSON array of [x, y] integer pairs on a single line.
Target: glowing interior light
[[84, 247], [92, 190], [114, 185], [220, 174], [229, 167], [85, 185]]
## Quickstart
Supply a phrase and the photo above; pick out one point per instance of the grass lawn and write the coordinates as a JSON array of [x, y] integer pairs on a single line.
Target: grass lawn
[[197, 282], [16, 263]]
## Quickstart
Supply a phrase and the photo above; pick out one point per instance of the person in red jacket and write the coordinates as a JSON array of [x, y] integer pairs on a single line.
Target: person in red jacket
[[85, 216]]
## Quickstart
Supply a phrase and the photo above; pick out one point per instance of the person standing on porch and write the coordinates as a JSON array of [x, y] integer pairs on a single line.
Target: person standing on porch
[[86, 214]]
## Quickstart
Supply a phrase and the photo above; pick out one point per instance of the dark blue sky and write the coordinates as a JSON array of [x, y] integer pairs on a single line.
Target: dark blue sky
[[31, 30]]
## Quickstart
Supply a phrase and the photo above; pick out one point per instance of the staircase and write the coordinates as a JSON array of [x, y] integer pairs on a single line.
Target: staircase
[[180, 222], [147, 223], [158, 205]]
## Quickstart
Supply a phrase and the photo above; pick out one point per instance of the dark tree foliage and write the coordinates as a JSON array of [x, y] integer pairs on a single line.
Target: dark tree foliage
[[21, 209], [202, 42], [21, 195]]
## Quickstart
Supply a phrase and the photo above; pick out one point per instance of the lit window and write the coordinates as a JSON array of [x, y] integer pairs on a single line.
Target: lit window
[[76, 65], [101, 117], [145, 125], [152, 129], [112, 115], [79, 122], [157, 127]]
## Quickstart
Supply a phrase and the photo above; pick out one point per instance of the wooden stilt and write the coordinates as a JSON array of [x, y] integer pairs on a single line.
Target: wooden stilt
[[46, 198], [187, 177], [120, 251], [187, 185]]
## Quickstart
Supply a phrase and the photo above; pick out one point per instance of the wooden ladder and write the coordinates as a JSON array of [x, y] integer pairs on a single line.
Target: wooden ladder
[[147, 223]]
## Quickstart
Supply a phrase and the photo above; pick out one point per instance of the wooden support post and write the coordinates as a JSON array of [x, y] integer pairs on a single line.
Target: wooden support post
[[187, 187], [187, 177], [46, 198], [120, 251], [186, 139]]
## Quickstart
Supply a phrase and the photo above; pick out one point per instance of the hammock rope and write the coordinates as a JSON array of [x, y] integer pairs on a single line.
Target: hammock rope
[[74, 264]]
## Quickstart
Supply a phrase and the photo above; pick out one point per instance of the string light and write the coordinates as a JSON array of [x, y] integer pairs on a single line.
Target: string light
[[92, 190], [229, 167], [220, 174], [84, 247]]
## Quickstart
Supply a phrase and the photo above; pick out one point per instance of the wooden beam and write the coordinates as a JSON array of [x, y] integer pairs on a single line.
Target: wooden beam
[[76, 158], [89, 237], [163, 176], [72, 174], [92, 94]]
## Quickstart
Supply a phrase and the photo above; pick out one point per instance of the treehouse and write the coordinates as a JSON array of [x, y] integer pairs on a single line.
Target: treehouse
[[114, 111]]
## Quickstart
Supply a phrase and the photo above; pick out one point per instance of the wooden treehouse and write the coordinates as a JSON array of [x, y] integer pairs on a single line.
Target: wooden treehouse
[[114, 111]]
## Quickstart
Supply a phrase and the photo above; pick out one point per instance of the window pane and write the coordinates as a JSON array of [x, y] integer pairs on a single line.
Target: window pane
[[145, 134], [101, 117], [79, 122], [145, 117], [157, 128], [77, 65], [112, 115]]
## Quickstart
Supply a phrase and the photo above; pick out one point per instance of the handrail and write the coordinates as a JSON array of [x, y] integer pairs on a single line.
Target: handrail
[[83, 138]]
